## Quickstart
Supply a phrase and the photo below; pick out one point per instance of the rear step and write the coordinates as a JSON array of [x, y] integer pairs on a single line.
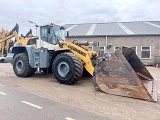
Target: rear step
[[125, 75]]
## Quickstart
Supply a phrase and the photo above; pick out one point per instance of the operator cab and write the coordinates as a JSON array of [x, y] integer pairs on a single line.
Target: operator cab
[[52, 34]]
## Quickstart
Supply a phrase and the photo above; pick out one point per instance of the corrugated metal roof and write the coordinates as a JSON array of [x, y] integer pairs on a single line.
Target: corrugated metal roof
[[156, 22], [152, 24], [79, 30], [128, 31], [141, 28], [91, 30], [108, 29], [114, 28]]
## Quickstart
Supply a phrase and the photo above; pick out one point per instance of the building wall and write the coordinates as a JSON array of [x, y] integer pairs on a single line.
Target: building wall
[[101, 40], [138, 41]]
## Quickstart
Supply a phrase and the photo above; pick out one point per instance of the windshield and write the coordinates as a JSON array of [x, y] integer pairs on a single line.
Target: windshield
[[59, 33], [52, 34]]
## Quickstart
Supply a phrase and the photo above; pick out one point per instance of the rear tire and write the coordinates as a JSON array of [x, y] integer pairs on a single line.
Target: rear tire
[[21, 66], [67, 68]]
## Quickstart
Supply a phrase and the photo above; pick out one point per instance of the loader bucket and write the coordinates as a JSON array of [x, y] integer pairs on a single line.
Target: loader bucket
[[125, 75]]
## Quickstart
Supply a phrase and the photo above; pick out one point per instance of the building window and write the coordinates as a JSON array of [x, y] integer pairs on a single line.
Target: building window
[[116, 47], [135, 48], [102, 48], [146, 52]]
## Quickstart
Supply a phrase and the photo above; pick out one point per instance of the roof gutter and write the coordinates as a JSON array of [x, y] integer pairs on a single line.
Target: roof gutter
[[73, 36]]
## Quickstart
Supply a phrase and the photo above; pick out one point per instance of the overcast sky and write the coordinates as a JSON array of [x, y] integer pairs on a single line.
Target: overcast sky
[[75, 11]]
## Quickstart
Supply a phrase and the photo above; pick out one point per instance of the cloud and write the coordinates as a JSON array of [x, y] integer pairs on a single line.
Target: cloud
[[79, 11]]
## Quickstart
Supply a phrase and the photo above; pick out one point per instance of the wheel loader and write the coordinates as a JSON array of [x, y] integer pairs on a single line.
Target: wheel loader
[[6, 41], [121, 74], [28, 39]]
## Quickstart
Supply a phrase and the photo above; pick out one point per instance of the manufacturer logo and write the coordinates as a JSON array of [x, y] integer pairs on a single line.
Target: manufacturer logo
[[77, 50]]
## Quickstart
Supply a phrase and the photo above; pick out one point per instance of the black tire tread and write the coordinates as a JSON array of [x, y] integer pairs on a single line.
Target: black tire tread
[[78, 66], [29, 71]]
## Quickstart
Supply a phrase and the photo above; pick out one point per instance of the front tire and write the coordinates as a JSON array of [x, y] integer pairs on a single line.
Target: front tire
[[67, 68], [21, 66]]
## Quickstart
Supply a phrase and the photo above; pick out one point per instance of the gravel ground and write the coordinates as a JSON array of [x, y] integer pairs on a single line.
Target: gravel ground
[[84, 96]]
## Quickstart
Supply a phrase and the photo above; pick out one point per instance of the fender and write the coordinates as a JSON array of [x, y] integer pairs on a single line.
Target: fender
[[29, 50]]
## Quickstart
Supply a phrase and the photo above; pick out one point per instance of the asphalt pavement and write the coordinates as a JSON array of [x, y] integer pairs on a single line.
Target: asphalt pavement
[[18, 105]]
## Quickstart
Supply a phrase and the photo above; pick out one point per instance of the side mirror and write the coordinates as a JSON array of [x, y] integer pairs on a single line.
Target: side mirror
[[67, 33], [36, 25], [62, 28], [49, 29]]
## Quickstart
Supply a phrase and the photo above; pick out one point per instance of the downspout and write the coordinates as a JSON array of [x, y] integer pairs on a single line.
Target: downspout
[[106, 50]]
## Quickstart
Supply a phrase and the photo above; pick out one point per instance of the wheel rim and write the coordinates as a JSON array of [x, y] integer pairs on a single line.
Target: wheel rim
[[63, 68], [19, 65]]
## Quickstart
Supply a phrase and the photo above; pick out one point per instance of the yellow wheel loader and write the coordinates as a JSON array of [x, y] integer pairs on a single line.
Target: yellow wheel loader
[[28, 39], [67, 60], [122, 74], [6, 41]]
